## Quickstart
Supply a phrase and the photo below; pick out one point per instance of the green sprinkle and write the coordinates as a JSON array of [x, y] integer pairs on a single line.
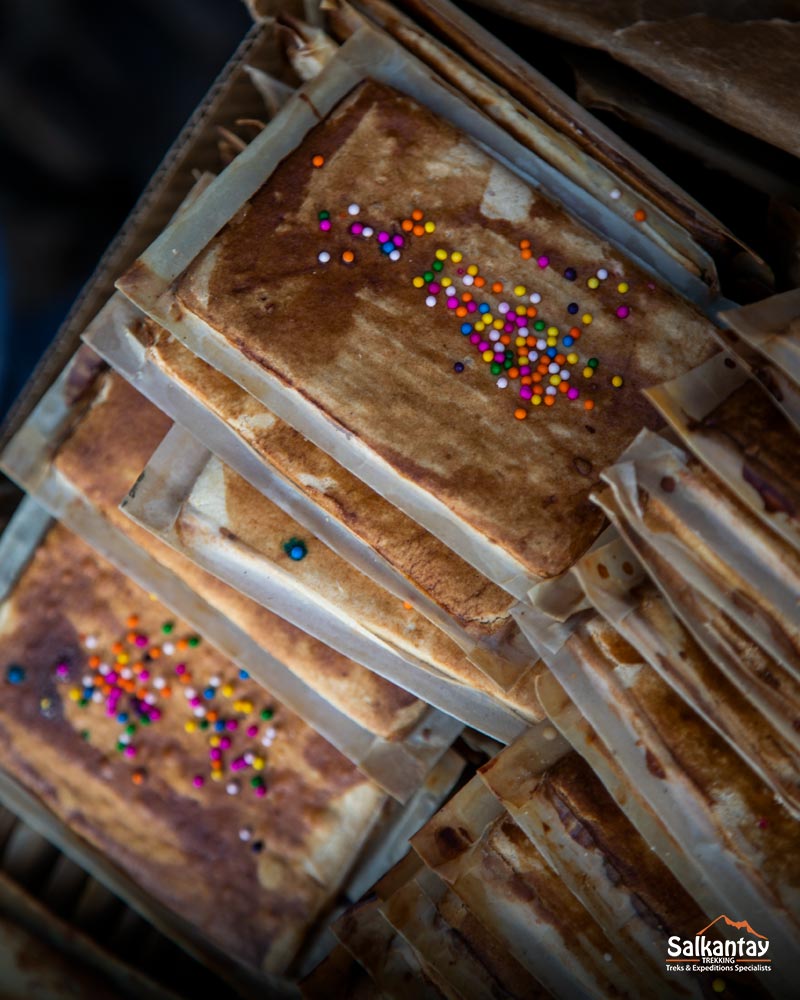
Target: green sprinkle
[[204, 723], [593, 362], [438, 265], [256, 782], [508, 363], [144, 720], [539, 324], [167, 627], [428, 276], [495, 368], [194, 640], [130, 729], [324, 215], [267, 714], [85, 735]]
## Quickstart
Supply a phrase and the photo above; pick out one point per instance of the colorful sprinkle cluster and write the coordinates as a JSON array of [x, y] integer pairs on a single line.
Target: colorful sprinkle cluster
[[134, 678], [539, 356]]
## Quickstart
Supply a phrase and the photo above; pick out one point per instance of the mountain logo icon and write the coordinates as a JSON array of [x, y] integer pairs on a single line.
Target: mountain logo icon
[[738, 925]]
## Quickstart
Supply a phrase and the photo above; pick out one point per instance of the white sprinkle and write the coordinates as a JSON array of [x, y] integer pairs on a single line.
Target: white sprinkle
[[394, 255], [607, 957], [267, 741], [353, 209], [533, 356], [502, 382], [232, 789], [468, 280], [367, 231], [199, 712], [249, 757], [168, 649], [541, 344], [450, 292], [602, 274], [190, 693], [124, 738], [553, 368], [214, 681], [503, 308], [88, 681], [564, 373], [272, 732], [494, 335], [245, 834], [126, 673], [97, 696], [91, 641], [522, 331], [158, 683], [616, 193], [430, 301], [536, 297], [104, 669], [324, 257], [150, 698], [551, 390]]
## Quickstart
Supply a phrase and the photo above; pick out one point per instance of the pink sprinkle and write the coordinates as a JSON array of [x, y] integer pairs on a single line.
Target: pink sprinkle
[[508, 328], [434, 287], [224, 743], [452, 302], [215, 753], [62, 670], [144, 675], [194, 702], [238, 764], [471, 307], [484, 345], [260, 791], [460, 271], [130, 751], [155, 714], [522, 320], [398, 240], [252, 731], [474, 338], [543, 262], [573, 393], [525, 392], [623, 311], [232, 724], [141, 641], [180, 668], [111, 678], [500, 356], [525, 369], [383, 237], [198, 781], [356, 229], [325, 225]]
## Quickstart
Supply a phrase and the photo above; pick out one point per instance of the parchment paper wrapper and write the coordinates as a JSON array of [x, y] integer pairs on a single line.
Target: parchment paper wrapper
[[366, 54], [669, 771], [475, 846], [740, 433], [234, 426], [617, 585], [18, 544], [578, 828], [399, 766], [160, 502], [716, 553], [767, 336]]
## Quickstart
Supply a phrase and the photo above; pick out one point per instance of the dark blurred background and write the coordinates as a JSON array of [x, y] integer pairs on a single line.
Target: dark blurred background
[[91, 95]]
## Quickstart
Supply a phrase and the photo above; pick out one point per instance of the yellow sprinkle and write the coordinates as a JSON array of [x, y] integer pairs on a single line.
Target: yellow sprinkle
[[479, 327], [488, 355], [153, 597], [498, 324], [430, 227], [247, 706], [418, 282], [519, 291], [552, 341], [555, 380], [519, 342], [74, 694], [217, 775], [446, 282], [536, 400], [552, 331], [588, 372], [586, 318], [520, 310], [456, 256], [622, 287], [487, 318], [258, 763], [214, 741], [237, 706], [226, 690], [616, 381], [572, 358], [472, 269], [190, 726], [440, 255], [123, 658], [593, 283]]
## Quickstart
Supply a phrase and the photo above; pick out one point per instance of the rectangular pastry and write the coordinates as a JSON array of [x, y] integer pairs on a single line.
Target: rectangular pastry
[[218, 802], [449, 334]]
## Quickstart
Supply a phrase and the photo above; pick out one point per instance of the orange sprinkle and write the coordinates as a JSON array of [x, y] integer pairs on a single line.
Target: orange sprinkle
[[559, 359], [466, 297], [549, 400], [317, 160], [536, 377], [94, 662], [589, 404], [640, 215], [505, 339], [563, 386], [461, 311], [155, 652], [525, 380], [137, 777], [537, 389], [105, 688], [185, 678], [407, 606], [165, 692], [406, 225], [497, 287], [513, 372], [530, 341], [479, 281], [212, 716], [531, 311], [117, 647], [524, 244], [348, 256], [419, 230], [520, 414], [216, 765], [526, 254], [417, 215], [181, 644], [131, 637], [132, 621]]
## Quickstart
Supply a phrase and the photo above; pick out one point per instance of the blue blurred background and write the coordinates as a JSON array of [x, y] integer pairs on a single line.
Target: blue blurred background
[[91, 95]]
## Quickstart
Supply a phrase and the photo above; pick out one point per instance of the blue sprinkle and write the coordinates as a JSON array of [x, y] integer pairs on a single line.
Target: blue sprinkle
[[572, 308], [243, 675], [483, 307], [458, 367], [466, 328], [122, 717], [209, 692], [387, 247], [570, 274], [295, 549], [219, 726], [568, 341], [551, 352], [15, 674]]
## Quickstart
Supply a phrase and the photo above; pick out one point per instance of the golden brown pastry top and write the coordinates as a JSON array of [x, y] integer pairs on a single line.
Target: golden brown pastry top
[[106, 451], [118, 717], [356, 338]]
